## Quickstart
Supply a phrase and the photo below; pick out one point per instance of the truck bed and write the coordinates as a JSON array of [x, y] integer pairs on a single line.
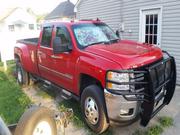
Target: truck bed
[[29, 41], [30, 49]]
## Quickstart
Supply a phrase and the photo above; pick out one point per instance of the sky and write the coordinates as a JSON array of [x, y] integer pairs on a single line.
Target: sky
[[38, 6]]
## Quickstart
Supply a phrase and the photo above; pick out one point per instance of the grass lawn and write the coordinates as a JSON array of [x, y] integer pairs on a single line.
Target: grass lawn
[[13, 101]]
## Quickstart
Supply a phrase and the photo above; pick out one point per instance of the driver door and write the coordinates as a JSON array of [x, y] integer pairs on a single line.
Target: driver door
[[63, 65]]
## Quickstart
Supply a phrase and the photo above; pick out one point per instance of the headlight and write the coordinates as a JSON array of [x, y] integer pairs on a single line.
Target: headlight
[[117, 78]]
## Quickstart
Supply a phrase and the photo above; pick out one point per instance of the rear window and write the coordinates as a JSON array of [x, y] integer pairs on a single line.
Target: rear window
[[46, 36]]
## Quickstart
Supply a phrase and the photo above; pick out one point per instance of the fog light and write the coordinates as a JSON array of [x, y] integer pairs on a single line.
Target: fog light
[[124, 112]]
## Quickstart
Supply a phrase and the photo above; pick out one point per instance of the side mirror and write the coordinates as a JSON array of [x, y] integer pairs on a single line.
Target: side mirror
[[117, 33], [58, 47]]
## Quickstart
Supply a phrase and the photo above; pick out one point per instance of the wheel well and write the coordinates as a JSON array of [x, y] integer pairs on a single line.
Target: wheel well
[[86, 80], [17, 58]]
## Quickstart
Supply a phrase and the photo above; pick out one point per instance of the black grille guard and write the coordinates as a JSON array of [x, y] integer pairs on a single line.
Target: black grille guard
[[150, 86]]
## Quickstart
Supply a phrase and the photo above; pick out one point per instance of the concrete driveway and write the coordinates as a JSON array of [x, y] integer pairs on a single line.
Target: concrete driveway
[[172, 110]]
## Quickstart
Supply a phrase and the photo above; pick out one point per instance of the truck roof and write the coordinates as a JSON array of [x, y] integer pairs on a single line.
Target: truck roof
[[72, 22]]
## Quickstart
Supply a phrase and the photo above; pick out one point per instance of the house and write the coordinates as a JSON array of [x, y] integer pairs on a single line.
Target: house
[[16, 19], [150, 21], [15, 23], [64, 10]]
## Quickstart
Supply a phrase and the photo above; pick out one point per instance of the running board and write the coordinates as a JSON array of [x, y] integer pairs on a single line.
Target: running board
[[47, 84], [65, 94]]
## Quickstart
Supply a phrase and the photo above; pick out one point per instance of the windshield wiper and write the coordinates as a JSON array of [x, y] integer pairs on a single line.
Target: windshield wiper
[[102, 42], [114, 40]]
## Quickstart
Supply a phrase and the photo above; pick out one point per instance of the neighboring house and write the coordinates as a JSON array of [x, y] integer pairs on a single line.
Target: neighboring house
[[64, 10], [16, 19], [150, 21], [15, 23]]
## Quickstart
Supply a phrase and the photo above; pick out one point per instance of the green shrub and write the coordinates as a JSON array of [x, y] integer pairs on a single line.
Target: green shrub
[[154, 130]]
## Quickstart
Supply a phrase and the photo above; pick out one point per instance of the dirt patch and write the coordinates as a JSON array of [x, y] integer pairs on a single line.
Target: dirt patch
[[39, 96]]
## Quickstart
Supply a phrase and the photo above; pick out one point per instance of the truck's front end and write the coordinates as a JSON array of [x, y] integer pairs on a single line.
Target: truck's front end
[[138, 79], [140, 91]]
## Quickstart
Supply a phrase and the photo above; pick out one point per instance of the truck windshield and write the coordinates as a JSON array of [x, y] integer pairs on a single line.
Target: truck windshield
[[93, 33]]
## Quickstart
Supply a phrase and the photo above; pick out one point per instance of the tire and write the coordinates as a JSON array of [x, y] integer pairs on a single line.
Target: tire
[[37, 120], [93, 93], [22, 75]]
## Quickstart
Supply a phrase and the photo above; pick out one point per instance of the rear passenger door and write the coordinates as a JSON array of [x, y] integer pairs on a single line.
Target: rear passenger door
[[45, 52]]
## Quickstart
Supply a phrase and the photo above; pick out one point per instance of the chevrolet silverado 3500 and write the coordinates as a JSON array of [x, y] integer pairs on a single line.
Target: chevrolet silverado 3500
[[113, 79]]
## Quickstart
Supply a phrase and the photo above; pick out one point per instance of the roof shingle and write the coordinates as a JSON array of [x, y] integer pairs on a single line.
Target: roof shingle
[[64, 9]]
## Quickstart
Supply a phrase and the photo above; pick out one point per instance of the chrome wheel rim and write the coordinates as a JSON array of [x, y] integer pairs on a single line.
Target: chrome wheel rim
[[91, 111], [42, 128]]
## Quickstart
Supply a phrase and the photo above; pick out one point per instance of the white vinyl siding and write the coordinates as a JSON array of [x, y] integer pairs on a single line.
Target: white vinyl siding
[[113, 12], [104, 10], [170, 29]]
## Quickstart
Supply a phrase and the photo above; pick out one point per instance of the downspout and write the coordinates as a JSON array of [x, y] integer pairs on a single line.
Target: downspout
[[75, 8]]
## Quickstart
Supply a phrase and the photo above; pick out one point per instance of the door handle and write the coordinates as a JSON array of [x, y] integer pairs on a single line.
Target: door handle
[[56, 57]]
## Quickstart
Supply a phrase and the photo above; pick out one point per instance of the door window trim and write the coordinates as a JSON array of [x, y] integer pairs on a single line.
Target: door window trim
[[160, 8]]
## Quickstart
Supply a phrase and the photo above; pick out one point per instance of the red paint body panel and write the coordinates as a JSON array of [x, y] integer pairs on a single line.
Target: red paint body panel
[[28, 57], [128, 54], [94, 60]]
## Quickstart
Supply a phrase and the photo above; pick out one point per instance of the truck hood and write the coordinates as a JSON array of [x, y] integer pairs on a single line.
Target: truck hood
[[128, 54]]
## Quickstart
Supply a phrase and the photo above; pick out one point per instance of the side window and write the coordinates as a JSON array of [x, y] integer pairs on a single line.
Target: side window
[[63, 33], [46, 36]]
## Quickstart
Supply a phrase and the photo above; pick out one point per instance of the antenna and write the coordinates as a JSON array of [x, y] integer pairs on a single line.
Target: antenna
[[98, 19]]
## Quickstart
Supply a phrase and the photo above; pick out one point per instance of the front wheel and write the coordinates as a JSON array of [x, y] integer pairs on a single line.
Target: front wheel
[[93, 108]]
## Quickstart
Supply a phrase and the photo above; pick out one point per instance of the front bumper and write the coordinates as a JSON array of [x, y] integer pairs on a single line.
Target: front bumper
[[154, 87], [119, 109]]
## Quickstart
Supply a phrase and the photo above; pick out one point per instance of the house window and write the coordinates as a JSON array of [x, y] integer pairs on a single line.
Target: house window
[[151, 28], [31, 26], [11, 27]]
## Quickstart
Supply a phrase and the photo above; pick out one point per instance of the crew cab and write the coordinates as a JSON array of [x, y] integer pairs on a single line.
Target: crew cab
[[113, 79]]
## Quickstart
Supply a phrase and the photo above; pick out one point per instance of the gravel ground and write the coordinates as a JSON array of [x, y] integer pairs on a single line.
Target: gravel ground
[[53, 104], [172, 110]]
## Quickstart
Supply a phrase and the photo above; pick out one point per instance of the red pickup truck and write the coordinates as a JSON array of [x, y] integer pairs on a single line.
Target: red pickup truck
[[114, 80]]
